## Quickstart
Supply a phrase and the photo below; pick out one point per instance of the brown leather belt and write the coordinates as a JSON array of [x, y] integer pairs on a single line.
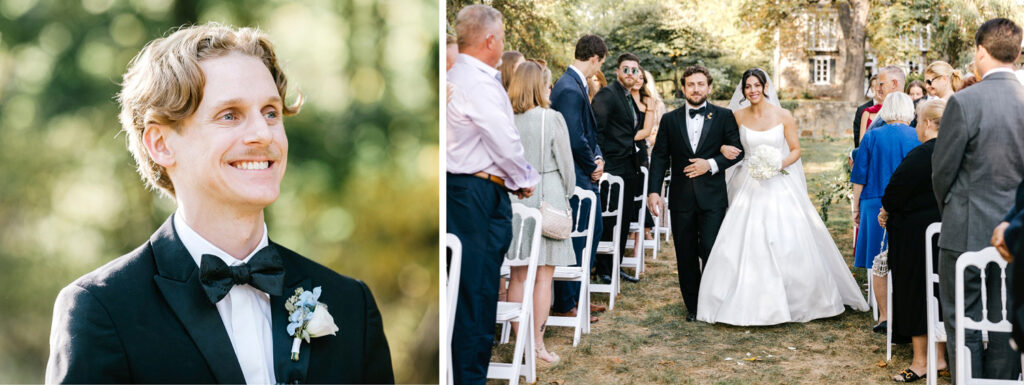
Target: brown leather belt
[[493, 178]]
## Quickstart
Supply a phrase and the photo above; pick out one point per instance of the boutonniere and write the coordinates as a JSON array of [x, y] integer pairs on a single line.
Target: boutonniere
[[709, 115], [307, 318]]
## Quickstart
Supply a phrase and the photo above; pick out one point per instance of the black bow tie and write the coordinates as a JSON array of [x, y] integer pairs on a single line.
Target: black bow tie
[[264, 271], [696, 111]]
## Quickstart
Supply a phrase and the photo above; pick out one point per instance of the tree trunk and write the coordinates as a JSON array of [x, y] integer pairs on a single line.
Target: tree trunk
[[853, 19]]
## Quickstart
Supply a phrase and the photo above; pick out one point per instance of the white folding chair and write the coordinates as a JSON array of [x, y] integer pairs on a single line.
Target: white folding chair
[[980, 260], [888, 310], [581, 273], [525, 245], [663, 221], [454, 273], [936, 329], [640, 245], [611, 247]]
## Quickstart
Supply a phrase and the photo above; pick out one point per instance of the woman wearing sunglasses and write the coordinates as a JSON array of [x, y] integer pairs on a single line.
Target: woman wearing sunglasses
[[942, 80]]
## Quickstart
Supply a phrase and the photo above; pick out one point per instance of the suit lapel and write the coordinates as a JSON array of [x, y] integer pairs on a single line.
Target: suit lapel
[[286, 370], [178, 280], [586, 97], [707, 127], [684, 131]]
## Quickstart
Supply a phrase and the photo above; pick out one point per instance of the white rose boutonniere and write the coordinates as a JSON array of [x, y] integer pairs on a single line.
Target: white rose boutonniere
[[307, 318]]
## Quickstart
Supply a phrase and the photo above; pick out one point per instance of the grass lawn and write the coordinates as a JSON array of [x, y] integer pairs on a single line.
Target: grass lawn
[[646, 339]]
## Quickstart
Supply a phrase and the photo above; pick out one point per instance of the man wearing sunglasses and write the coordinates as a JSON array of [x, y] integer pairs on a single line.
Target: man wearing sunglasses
[[617, 123]]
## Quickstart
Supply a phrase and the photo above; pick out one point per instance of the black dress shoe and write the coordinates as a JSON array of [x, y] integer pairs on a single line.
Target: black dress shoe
[[690, 317], [880, 328], [628, 277], [604, 279]]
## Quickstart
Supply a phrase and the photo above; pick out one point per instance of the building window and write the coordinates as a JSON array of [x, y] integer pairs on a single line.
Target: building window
[[821, 70], [918, 38], [822, 30], [913, 66]]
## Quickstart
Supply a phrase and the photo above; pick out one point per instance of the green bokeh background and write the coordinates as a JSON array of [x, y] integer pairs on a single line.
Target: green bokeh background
[[360, 194]]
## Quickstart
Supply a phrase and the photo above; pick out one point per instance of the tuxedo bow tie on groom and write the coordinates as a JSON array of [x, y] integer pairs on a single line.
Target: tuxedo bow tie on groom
[[264, 272]]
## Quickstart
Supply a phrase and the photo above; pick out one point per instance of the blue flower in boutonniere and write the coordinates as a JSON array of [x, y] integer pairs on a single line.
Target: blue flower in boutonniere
[[709, 115], [307, 318]]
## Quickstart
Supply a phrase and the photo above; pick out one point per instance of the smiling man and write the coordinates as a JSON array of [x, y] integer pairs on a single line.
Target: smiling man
[[206, 298]]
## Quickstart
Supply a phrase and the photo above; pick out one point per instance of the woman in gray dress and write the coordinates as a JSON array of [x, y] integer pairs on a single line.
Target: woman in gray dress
[[529, 90]]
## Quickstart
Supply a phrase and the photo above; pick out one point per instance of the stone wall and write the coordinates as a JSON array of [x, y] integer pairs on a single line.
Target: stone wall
[[815, 118]]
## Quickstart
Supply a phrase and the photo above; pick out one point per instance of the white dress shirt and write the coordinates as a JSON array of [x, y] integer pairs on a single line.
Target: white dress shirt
[[586, 83], [245, 311], [994, 70], [481, 133], [694, 127]]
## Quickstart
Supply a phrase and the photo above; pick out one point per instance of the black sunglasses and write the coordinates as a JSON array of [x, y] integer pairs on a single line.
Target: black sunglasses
[[630, 70]]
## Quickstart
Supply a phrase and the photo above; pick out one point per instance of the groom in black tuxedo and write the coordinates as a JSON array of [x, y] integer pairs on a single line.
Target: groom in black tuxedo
[[691, 141], [203, 300]]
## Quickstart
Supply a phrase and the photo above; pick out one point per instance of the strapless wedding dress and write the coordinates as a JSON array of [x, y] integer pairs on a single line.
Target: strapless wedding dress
[[774, 260]]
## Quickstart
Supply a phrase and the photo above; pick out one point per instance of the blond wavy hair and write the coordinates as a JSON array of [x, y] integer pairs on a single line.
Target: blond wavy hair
[[941, 68], [164, 84]]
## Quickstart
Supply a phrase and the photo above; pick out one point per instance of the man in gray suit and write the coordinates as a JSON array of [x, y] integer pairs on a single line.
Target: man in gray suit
[[977, 165]]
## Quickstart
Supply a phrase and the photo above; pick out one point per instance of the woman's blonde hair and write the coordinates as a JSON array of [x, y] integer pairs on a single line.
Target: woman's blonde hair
[[508, 66], [941, 68], [526, 88], [164, 84], [931, 111]]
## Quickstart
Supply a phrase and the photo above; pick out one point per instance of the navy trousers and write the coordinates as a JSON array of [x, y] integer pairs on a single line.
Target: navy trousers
[[480, 214], [567, 294]]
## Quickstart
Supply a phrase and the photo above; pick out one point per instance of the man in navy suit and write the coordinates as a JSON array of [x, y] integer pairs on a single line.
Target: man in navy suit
[[203, 300], [570, 97]]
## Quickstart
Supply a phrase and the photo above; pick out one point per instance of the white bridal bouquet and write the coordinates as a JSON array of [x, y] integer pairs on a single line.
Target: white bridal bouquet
[[765, 162]]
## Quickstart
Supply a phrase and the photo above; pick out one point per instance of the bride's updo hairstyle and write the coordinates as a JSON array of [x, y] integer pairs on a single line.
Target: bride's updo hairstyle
[[760, 75]]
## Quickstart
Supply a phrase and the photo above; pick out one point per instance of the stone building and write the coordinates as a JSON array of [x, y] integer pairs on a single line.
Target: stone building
[[810, 62]]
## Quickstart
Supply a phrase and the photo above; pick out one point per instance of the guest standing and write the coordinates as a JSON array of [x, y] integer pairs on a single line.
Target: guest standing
[[875, 97], [942, 80], [916, 91], [485, 162], [880, 152], [617, 123], [546, 146], [510, 60], [977, 165], [569, 97], [908, 207]]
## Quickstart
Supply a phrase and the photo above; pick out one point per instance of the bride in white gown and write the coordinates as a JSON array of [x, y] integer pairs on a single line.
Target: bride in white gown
[[774, 260]]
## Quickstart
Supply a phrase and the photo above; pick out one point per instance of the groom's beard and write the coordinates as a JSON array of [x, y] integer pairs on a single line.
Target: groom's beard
[[697, 102]]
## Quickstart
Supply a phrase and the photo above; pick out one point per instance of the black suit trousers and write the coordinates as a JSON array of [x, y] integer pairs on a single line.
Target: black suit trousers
[[695, 232], [480, 214], [632, 186]]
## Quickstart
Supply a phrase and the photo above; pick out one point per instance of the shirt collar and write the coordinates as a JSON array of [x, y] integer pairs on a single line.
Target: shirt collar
[[580, 74], [476, 63], [994, 70], [197, 245]]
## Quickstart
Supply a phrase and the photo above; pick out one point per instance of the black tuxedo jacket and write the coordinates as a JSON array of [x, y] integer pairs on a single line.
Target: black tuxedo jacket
[[673, 148], [569, 97], [144, 318], [616, 129], [856, 121]]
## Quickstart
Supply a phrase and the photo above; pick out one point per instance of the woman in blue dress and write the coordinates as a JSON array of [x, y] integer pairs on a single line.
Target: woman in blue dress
[[881, 151]]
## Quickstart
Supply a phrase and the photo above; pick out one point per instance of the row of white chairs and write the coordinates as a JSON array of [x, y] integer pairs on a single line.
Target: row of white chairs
[[936, 329], [526, 245]]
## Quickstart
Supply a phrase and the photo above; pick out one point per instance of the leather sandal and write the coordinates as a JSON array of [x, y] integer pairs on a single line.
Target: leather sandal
[[907, 375]]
